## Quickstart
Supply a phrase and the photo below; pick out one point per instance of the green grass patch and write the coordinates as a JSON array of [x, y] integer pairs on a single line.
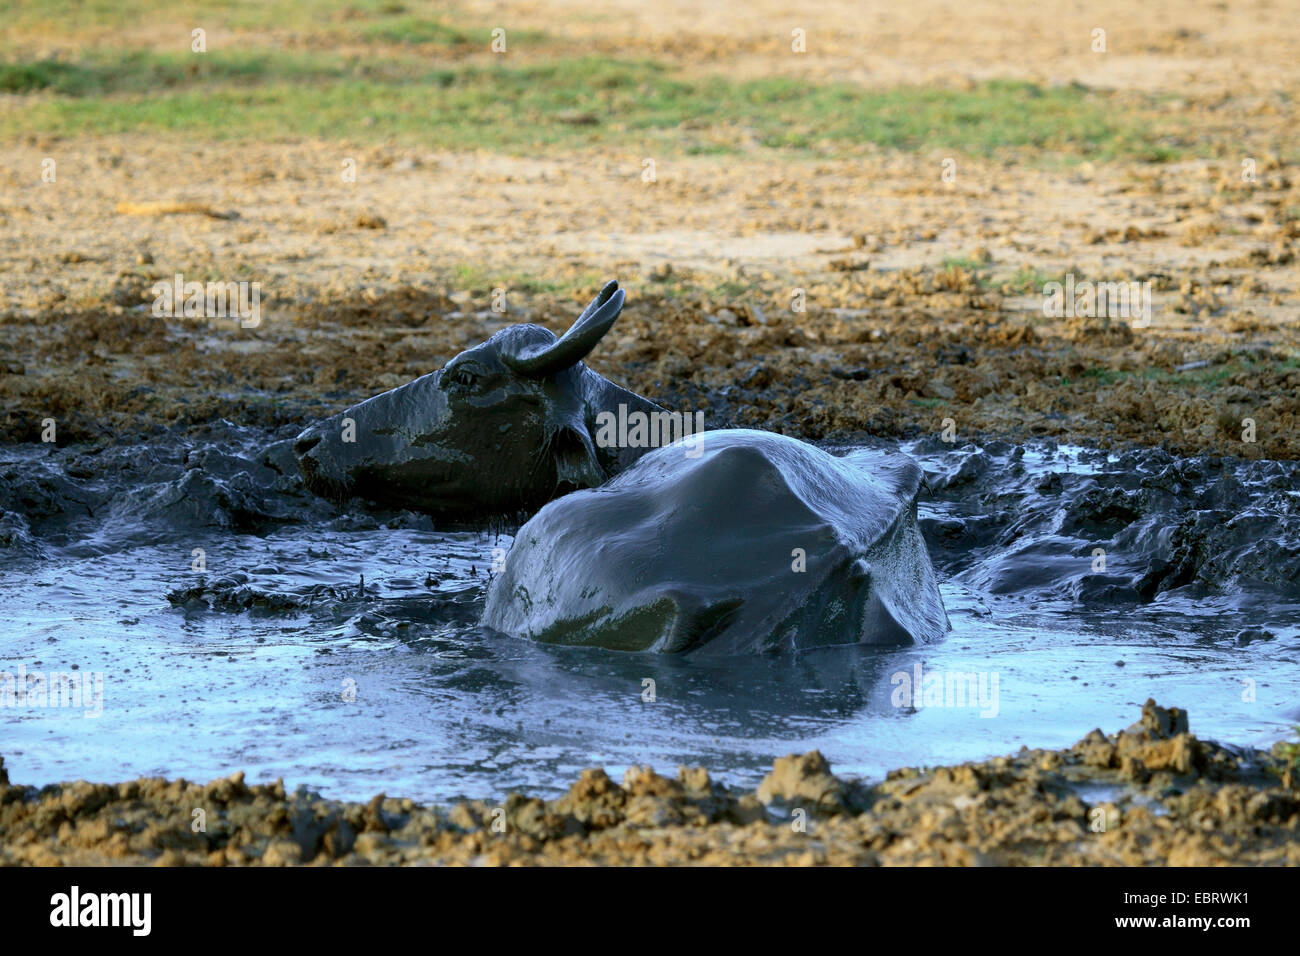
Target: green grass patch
[[414, 30], [1191, 378], [730, 290], [148, 75], [1288, 754], [351, 19], [1027, 280], [1106, 376], [422, 31], [481, 280], [261, 94]]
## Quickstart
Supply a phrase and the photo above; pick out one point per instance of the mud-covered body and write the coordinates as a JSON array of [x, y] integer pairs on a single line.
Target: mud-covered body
[[740, 541]]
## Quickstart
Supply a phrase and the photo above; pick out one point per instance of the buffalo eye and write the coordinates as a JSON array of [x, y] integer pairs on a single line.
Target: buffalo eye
[[464, 378]]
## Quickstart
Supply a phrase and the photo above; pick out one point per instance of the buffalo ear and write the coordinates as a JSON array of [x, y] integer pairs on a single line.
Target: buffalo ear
[[577, 343], [576, 464]]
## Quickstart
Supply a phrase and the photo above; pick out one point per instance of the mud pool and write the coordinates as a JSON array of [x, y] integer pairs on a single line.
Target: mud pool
[[251, 663]]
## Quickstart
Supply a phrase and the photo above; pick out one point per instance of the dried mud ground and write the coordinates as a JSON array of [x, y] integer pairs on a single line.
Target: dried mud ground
[[1151, 795], [921, 300]]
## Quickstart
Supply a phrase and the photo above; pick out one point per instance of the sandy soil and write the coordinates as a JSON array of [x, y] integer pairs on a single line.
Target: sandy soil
[[1151, 795]]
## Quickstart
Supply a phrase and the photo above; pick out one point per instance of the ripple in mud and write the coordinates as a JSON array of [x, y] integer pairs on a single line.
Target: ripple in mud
[[1012, 520]]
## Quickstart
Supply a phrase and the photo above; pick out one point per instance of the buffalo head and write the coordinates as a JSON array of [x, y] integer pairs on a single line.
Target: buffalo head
[[500, 430]]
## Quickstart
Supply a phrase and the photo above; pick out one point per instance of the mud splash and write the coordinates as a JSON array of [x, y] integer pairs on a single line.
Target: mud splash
[[340, 649]]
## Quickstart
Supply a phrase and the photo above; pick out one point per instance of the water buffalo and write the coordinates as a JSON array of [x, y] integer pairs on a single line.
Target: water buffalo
[[664, 537], [758, 542]]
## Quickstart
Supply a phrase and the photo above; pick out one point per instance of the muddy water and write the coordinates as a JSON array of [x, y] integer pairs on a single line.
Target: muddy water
[[252, 663]]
